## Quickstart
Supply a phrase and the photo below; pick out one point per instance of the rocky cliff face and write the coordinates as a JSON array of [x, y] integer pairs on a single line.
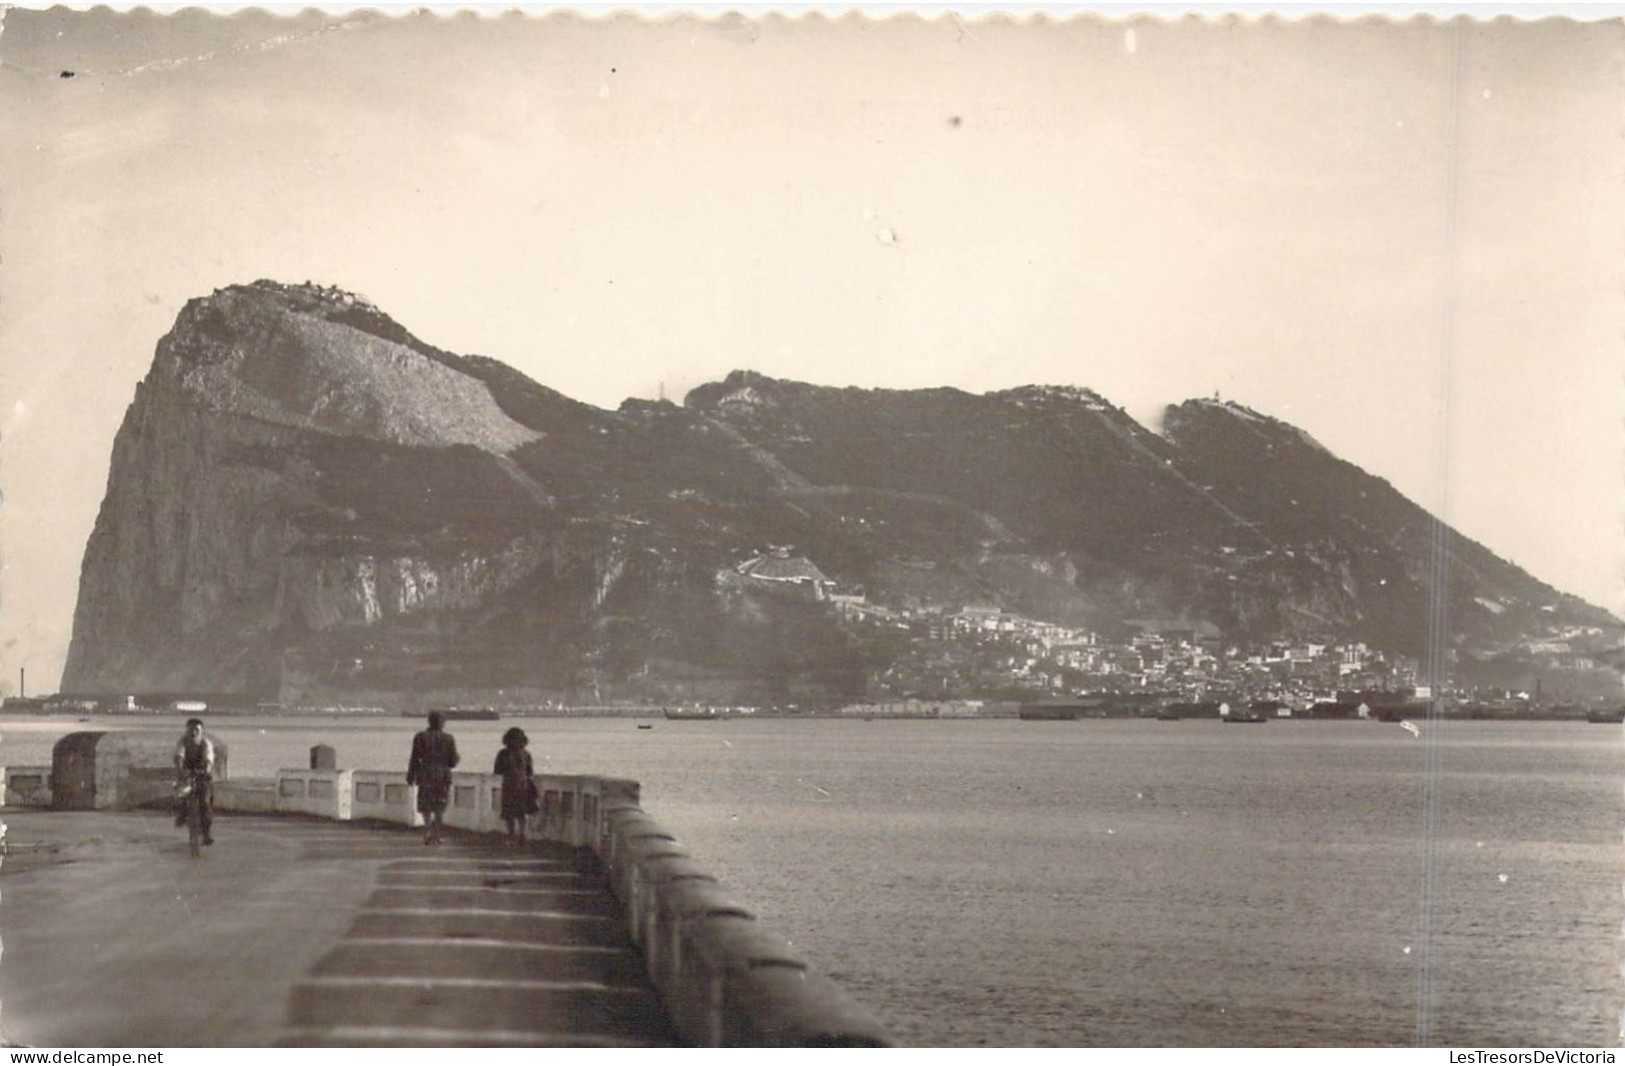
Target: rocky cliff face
[[308, 503], [288, 467]]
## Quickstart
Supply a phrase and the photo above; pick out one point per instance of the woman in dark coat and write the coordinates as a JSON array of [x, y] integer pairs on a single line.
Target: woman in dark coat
[[518, 775], [434, 753]]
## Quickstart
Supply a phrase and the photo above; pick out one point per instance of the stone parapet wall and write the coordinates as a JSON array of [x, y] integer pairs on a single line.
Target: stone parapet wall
[[382, 796], [725, 979], [324, 793], [246, 795]]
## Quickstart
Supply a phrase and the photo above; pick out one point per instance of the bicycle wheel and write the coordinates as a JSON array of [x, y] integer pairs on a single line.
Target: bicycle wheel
[[194, 832]]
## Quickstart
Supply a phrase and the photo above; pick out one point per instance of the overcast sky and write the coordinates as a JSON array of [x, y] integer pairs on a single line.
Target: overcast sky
[[1405, 238]]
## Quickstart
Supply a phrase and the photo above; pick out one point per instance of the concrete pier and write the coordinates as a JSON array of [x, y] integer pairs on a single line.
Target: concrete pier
[[304, 926], [293, 931]]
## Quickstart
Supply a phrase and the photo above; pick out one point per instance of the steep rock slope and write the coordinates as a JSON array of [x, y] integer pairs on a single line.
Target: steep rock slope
[[283, 470], [1345, 549]]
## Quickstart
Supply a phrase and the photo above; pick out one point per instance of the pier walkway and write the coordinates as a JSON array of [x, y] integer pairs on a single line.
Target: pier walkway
[[295, 931]]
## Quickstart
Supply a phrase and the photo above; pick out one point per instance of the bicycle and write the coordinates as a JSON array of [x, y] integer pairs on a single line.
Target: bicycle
[[189, 793]]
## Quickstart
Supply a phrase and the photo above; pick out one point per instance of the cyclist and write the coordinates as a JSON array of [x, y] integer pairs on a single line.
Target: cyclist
[[194, 765]]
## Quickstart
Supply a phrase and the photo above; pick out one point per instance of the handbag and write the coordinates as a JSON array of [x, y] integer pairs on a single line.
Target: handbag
[[533, 802]]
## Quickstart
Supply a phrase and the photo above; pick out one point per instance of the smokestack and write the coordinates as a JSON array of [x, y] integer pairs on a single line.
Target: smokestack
[[22, 681]]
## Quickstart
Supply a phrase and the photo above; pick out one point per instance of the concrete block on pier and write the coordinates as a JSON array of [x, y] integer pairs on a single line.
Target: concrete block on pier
[[107, 771], [660, 866], [25, 786], [632, 878], [712, 947], [634, 832], [685, 899]]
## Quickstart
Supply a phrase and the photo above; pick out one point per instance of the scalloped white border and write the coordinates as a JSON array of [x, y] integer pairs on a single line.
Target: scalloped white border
[[1264, 14], [1020, 12]]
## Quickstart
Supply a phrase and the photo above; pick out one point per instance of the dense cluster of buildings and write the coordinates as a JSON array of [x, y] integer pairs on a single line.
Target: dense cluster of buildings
[[987, 650], [983, 651]]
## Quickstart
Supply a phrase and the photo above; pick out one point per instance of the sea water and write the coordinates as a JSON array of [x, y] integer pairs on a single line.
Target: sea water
[[1121, 882]]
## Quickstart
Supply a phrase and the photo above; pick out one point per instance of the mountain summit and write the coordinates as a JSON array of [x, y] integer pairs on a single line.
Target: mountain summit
[[308, 503]]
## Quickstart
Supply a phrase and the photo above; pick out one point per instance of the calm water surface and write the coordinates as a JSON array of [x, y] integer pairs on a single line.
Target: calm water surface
[[1123, 883]]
